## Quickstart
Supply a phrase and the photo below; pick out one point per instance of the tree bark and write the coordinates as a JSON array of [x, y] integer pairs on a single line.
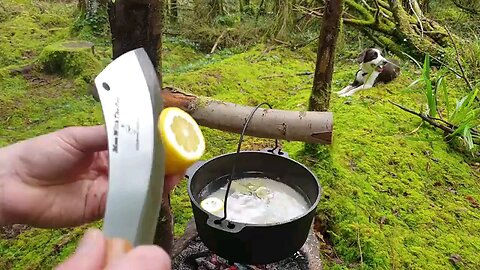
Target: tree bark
[[320, 97], [309, 126], [135, 24]]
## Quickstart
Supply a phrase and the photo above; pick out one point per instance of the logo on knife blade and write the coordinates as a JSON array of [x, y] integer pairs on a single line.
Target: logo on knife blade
[[116, 126]]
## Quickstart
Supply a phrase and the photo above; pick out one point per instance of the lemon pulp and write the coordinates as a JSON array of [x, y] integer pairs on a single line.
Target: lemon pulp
[[185, 135], [182, 139]]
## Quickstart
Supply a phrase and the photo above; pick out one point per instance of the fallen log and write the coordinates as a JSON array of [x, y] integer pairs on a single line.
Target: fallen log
[[305, 126]]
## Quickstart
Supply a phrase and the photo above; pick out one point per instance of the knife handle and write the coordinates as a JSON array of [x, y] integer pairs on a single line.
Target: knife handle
[[116, 247]]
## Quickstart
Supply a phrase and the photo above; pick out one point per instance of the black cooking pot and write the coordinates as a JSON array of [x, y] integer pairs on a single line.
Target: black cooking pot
[[252, 243]]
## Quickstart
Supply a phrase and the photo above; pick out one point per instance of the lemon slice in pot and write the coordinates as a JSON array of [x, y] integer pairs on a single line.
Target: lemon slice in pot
[[182, 139], [212, 205]]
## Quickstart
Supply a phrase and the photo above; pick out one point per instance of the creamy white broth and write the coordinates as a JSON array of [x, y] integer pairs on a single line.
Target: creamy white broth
[[257, 201]]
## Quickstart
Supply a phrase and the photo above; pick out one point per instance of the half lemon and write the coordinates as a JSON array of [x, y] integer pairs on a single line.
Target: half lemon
[[182, 139]]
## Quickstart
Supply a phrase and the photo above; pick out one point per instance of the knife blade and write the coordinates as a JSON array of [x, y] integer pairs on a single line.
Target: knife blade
[[129, 92]]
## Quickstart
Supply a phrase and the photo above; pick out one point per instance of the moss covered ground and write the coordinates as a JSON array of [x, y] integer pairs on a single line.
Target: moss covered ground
[[395, 196]]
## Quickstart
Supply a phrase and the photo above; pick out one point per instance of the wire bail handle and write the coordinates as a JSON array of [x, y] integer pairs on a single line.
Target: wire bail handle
[[230, 179]]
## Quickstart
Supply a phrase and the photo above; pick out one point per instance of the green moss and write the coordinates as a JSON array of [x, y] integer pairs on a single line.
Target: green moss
[[54, 245], [72, 59], [375, 170], [394, 196], [461, 23], [177, 54], [248, 78], [30, 27], [414, 182]]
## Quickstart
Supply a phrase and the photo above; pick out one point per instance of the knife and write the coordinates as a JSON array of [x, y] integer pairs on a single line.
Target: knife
[[129, 93]]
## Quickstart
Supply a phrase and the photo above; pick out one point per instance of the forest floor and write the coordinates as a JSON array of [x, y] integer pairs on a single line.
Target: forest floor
[[395, 195]]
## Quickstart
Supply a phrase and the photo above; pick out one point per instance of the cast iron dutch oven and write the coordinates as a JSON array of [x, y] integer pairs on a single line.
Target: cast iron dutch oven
[[252, 243]]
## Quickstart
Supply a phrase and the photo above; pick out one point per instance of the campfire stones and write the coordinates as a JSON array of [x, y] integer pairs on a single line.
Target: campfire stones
[[189, 253]]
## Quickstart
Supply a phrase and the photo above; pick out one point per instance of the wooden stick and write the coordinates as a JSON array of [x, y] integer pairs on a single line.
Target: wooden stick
[[306, 73], [218, 40], [425, 118], [305, 126]]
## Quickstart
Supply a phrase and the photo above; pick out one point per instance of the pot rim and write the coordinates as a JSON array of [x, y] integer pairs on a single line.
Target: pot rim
[[312, 207]]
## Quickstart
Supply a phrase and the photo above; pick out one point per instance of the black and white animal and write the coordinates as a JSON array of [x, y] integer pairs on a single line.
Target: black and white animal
[[374, 69]]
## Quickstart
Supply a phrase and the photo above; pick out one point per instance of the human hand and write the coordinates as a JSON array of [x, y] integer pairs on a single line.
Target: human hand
[[57, 180], [91, 254]]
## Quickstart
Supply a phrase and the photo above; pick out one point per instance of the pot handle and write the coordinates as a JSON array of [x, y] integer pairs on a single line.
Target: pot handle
[[247, 121], [224, 225], [232, 175], [276, 151], [193, 168]]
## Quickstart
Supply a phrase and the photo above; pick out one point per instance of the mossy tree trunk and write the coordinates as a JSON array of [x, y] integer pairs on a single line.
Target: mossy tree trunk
[[399, 26], [284, 18], [135, 24], [332, 17]]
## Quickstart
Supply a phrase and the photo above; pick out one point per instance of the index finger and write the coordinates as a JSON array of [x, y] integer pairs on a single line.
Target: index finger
[[85, 139]]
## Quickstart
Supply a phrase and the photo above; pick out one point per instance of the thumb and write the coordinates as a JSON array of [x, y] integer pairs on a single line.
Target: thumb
[[90, 253]]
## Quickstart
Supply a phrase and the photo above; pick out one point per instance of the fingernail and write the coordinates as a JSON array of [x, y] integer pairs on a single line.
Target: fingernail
[[90, 240]]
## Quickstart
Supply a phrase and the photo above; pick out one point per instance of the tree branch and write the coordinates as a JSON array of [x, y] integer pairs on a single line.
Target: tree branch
[[425, 118], [367, 5], [370, 21], [459, 63], [447, 66], [305, 73], [449, 129], [217, 41], [259, 11], [305, 126], [384, 5], [377, 12], [467, 9], [417, 16]]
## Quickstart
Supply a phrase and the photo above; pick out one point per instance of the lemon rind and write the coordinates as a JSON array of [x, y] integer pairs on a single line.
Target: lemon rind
[[171, 135]]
